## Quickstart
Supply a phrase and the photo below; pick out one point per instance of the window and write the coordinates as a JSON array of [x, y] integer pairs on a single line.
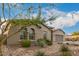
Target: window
[[23, 34], [32, 34], [45, 35]]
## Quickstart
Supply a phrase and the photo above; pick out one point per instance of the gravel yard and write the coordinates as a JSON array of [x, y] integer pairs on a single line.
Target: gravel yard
[[49, 50], [20, 51]]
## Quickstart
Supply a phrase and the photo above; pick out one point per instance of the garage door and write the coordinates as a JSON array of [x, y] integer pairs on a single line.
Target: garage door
[[59, 38]]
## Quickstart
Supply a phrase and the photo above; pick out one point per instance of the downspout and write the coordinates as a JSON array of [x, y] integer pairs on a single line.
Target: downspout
[[52, 36]]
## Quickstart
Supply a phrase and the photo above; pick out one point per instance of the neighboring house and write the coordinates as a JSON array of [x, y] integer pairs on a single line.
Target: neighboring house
[[72, 37], [33, 32]]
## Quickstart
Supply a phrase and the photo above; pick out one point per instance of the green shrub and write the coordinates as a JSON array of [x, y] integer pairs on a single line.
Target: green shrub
[[26, 43], [39, 53], [41, 43], [64, 48], [65, 51], [48, 42]]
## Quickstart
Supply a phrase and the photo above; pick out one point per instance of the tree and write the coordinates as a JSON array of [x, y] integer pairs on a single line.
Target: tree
[[20, 22], [75, 33]]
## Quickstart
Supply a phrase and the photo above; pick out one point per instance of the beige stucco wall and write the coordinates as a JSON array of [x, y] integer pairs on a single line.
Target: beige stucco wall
[[13, 39], [58, 32], [38, 33]]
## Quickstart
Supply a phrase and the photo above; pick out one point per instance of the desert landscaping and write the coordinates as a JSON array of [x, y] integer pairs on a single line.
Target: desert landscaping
[[31, 51]]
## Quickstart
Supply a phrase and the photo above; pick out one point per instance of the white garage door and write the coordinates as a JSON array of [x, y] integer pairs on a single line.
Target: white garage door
[[59, 38]]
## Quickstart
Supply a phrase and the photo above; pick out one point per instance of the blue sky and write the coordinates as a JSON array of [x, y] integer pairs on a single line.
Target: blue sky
[[61, 8], [69, 7]]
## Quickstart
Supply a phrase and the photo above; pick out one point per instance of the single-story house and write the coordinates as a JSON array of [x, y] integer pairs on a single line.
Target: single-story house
[[33, 32]]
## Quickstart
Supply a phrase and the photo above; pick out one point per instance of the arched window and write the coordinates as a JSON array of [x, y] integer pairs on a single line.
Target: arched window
[[45, 35], [32, 34], [23, 33]]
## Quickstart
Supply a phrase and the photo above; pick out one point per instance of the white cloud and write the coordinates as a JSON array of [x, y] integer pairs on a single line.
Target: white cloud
[[69, 33], [53, 12], [68, 20], [64, 19]]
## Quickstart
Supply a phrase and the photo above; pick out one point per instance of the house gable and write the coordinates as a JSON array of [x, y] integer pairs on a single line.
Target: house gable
[[58, 31], [40, 30]]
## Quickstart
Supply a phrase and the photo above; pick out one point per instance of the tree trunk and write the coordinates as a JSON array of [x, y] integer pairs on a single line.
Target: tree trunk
[[2, 40], [51, 37]]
